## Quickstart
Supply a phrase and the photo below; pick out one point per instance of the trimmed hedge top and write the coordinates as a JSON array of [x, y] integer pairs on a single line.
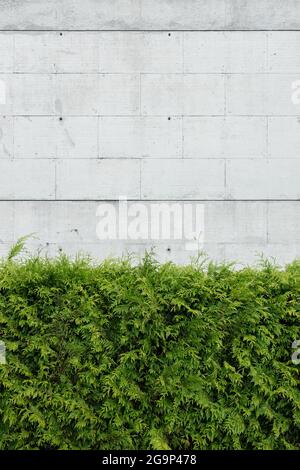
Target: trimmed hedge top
[[117, 356]]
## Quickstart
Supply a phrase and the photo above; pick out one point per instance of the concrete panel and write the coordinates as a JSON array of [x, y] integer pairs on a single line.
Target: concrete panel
[[246, 52], [218, 52], [77, 94], [284, 222], [57, 226], [191, 14], [203, 94], [6, 136], [28, 14], [254, 255], [262, 14], [76, 221], [182, 179], [263, 179], [6, 52], [7, 214], [261, 95], [77, 52], [35, 52], [77, 137], [236, 222], [284, 137], [119, 95], [27, 179], [140, 137], [224, 137], [168, 92], [150, 14], [234, 229], [57, 222], [35, 136], [94, 14], [6, 94], [50, 52], [97, 179], [139, 52], [284, 54], [50, 137], [204, 52], [32, 94], [182, 94]]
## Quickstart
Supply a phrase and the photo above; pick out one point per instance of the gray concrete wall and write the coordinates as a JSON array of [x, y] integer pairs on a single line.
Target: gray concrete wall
[[155, 100], [150, 14]]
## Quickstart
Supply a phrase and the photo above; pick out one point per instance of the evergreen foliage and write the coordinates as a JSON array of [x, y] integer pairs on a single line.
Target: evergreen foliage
[[148, 356]]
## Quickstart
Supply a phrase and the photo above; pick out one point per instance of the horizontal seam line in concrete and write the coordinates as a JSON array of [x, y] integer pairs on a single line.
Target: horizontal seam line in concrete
[[150, 200], [147, 73], [147, 115], [141, 30]]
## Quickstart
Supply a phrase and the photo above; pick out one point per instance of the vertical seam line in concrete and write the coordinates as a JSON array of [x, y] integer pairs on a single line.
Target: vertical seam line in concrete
[[267, 117], [182, 136], [225, 93], [225, 179], [98, 54], [140, 94], [183, 71], [14, 52], [267, 52], [55, 179], [182, 54], [12, 110], [140, 171]]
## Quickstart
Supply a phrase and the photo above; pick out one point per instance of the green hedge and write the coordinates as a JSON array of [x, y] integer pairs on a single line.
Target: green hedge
[[122, 356]]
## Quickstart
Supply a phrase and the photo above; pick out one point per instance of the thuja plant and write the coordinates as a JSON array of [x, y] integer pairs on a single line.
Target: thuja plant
[[148, 356]]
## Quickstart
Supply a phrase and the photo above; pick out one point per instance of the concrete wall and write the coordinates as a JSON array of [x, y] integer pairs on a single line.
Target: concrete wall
[[165, 100], [149, 14]]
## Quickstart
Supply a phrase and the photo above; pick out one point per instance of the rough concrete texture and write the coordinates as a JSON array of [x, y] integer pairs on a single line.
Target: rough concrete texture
[[149, 14], [237, 231], [167, 115]]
